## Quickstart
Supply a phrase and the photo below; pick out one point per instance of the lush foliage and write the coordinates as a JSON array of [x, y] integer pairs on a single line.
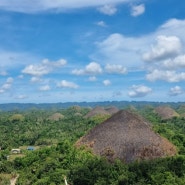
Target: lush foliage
[[57, 156]]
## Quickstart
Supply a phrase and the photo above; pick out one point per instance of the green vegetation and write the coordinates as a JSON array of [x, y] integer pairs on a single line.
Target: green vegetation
[[56, 155]]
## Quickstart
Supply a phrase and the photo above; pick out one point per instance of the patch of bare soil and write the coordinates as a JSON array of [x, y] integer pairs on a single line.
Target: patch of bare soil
[[13, 180], [127, 136]]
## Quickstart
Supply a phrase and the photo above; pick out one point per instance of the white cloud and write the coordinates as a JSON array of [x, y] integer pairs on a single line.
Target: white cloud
[[164, 61], [167, 55], [166, 75], [132, 51], [92, 68], [44, 68], [113, 68], [7, 85], [92, 78], [45, 88], [165, 47], [176, 63], [173, 27], [21, 97], [9, 80], [175, 91], [78, 72], [137, 10], [101, 23], [28, 6], [3, 73], [21, 76], [108, 9], [106, 82], [36, 70], [139, 91], [54, 64], [124, 50], [2, 91], [35, 79], [67, 84]]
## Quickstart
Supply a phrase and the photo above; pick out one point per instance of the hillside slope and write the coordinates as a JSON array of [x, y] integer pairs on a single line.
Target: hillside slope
[[127, 136], [96, 111], [166, 112]]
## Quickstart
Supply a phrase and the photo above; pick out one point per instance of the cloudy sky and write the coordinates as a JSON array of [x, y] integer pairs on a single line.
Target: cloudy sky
[[79, 50]]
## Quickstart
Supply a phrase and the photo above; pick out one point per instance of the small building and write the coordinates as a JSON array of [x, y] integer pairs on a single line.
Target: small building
[[16, 151], [30, 148]]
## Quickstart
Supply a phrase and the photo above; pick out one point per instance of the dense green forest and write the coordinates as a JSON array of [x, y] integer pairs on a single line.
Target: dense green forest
[[56, 156]]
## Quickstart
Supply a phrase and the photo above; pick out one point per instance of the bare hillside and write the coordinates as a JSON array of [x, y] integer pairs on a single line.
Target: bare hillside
[[96, 111], [112, 110], [56, 117], [127, 136], [166, 112]]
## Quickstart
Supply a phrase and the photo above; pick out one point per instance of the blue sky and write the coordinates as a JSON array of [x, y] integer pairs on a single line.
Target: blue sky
[[79, 50]]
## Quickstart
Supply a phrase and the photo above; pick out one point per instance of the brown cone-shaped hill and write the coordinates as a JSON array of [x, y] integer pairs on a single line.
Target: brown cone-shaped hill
[[112, 110], [96, 111], [166, 112], [56, 117], [127, 136]]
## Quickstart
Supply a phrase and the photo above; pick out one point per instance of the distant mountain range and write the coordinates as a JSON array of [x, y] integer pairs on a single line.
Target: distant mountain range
[[118, 104]]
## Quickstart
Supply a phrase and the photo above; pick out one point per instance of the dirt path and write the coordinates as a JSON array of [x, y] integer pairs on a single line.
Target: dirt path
[[13, 180]]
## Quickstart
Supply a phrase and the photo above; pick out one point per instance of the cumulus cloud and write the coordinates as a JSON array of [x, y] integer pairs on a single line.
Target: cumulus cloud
[[175, 91], [165, 43], [106, 82], [45, 88], [3, 73], [175, 26], [137, 10], [108, 9], [166, 59], [92, 78], [101, 23], [92, 68], [44, 68], [9, 80], [166, 75], [36, 70], [7, 85], [113, 68], [124, 50], [139, 91], [165, 47], [54, 64], [160, 54], [175, 63], [35, 79], [67, 84], [21, 76]]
